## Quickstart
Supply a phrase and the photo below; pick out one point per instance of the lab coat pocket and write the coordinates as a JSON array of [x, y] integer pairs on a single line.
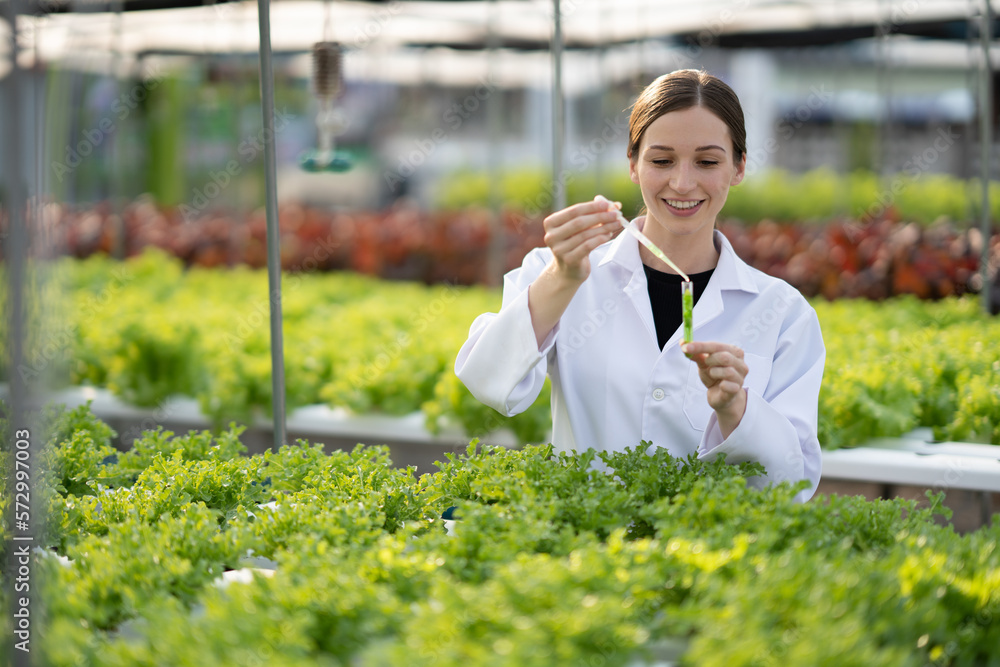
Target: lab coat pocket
[[758, 374], [696, 407]]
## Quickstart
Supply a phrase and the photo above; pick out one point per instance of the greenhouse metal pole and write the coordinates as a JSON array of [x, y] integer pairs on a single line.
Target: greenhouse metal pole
[[273, 238], [603, 85], [558, 122], [494, 119], [22, 438], [117, 196], [986, 145]]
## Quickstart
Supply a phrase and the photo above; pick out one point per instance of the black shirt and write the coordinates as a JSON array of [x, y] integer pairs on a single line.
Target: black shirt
[[665, 298]]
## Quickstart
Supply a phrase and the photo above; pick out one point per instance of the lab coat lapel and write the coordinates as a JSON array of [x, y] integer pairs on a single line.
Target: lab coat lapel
[[709, 306], [731, 273], [624, 252], [638, 293]]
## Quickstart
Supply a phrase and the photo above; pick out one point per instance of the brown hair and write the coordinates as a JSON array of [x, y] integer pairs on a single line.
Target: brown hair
[[681, 90]]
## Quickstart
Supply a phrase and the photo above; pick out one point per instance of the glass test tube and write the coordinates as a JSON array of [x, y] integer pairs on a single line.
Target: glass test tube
[[687, 302]]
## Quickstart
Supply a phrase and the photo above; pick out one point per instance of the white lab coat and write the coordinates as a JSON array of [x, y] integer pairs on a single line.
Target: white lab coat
[[613, 387]]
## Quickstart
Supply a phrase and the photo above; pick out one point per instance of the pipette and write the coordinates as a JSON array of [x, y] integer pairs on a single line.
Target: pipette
[[643, 239], [687, 287]]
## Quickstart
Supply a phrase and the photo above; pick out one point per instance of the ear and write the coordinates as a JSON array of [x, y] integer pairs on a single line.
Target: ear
[[632, 171], [741, 169]]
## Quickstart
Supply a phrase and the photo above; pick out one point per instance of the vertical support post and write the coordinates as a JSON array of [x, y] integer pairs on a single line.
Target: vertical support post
[[986, 145], [558, 120], [494, 117], [118, 190], [603, 87], [38, 94], [883, 33], [273, 236]]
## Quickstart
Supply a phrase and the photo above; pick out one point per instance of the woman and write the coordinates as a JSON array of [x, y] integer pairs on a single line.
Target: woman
[[601, 315]]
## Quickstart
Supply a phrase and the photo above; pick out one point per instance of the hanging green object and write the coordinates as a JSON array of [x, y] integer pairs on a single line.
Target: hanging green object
[[330, 121], [318, 160]]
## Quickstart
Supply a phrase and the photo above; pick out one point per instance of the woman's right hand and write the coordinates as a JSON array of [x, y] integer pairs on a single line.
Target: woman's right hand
[[571, 234], [574, 232]]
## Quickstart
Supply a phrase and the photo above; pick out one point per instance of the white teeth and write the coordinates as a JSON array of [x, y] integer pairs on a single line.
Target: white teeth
[[683, 204]]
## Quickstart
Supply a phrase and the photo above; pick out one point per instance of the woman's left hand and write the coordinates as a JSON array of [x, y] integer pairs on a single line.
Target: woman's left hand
[[722, 370]]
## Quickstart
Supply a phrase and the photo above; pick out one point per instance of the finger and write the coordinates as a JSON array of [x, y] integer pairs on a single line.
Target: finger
[[711, 347], [574, 211], [603, 221], [716, 374], [596, 223], [725, 391], [571, 242], [606, 203], [725, 374], [581, 245], [707, 379], [721, 358], [698, 359], [725, 358], [722, 395], [736, 373], [563, 216], [711, 371]]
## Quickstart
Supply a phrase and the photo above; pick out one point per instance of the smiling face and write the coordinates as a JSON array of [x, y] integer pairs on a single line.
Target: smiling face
[[685, 166]]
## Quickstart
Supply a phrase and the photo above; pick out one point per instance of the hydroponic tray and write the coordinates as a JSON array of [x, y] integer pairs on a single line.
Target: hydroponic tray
[[912, 460]]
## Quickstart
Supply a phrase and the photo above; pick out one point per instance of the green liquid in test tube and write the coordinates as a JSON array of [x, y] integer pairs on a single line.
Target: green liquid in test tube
[[687, 297]]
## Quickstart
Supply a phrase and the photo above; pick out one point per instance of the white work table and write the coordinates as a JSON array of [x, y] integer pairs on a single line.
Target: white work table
[[915, 462]]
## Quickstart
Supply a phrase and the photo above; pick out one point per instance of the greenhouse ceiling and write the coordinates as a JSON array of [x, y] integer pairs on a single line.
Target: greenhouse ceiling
[[444, 42], [194, 26]]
